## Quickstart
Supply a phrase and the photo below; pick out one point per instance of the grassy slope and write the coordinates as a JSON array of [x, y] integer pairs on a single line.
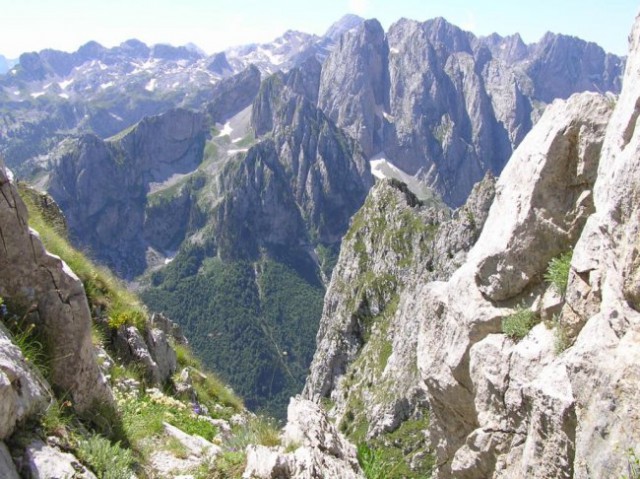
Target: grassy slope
[[114, 442]]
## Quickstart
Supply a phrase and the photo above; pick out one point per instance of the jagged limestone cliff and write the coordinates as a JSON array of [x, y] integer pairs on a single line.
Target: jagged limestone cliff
[[364, 369], [556, 395]]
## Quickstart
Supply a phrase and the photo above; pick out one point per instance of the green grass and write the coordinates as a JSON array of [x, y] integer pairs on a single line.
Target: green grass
[[106, 460], [257, 429], [229, 465], [557, 273], [106, 294], [25, 336], [373, 463], [57, 418], [143, 417], [400, 454], [633, 465], [517, 325]]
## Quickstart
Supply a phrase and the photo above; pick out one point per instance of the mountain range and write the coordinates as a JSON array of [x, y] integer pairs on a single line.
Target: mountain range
[[221, 186]]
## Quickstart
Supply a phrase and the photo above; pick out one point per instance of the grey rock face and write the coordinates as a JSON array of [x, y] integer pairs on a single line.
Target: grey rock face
[[560, 65], [319, 449], [439, 102], [55, 296], [46, 462], [102, 185], [233, 94], [543, 198], [366, 343], [354, 87], [23, 393]]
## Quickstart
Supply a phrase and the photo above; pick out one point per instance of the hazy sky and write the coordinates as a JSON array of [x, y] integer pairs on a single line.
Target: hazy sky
[[213, 25]]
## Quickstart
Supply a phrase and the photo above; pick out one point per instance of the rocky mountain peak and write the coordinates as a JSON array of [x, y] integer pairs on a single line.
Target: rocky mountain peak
[[560, 64], [346, 23], [510, 49], [443, 34], [358, 67]]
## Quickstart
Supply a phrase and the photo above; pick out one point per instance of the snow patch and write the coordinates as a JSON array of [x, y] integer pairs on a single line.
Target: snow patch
[[382, 168], [104, 86], [65, 84], [239, 150], [273, 58], [113, 115], [394, 50], [226, 129], [170, 256], [151, 86], [37, 94], [64, 95]]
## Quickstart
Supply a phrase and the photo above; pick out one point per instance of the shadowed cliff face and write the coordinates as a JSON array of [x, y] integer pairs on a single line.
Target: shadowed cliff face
[[102, 185]]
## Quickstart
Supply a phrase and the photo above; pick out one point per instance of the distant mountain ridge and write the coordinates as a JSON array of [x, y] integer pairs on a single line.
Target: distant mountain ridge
[[455, 105], [6, 64]]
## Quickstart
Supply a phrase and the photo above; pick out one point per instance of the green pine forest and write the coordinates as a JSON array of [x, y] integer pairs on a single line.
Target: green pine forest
[[253, 322]]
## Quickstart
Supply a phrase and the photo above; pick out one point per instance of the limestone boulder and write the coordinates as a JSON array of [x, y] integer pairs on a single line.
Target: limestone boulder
[[42, 461], [43, 285], [23, 391], [132, 349], [162, 353], [319, 450], [7, 467]]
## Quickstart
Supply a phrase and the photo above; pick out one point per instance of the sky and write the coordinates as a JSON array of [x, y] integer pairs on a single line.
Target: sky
[[214, 25]]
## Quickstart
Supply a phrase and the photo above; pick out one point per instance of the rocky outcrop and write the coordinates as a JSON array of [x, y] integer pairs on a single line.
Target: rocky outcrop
[[102, 185], [47, 293], [319, 450], [23, 392], [485, 392], [601, 310], [150, 350], [364, 366], [43, 461]]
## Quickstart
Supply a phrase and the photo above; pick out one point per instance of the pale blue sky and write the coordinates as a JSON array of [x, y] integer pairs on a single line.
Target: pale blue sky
[[213, 25]]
